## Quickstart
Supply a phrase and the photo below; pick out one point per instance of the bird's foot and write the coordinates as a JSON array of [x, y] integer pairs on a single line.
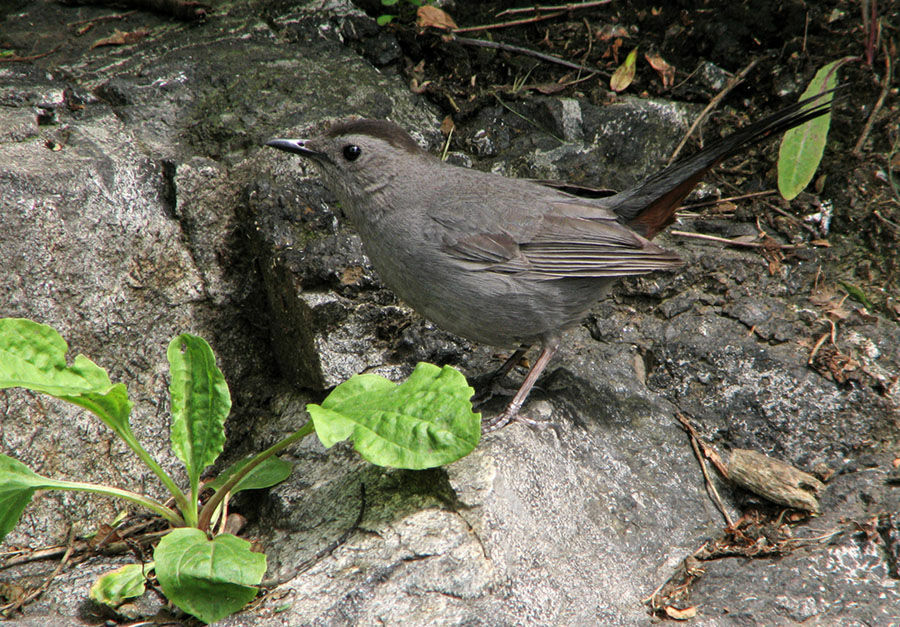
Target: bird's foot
[[489, 390], [492, 385], [489, 425]]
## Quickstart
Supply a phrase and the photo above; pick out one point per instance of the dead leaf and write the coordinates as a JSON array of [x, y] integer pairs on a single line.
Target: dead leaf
[[836, 366], [13, 593], [724, 207], [894, 306], [447, 126], [864, 315], [550, 88], [824, 243], [418, 88], [428, 15], [613, 50], [610, 31], [677, 614], [352, 275], [624, 74], [666, 72], [105, 535], [830, 301], [121, 38]]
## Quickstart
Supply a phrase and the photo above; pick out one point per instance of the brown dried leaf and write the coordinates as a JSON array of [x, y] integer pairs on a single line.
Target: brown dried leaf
[[725, 207], [418, 88], [832, 364], [666, 72], [677, 614], [11, 592], [105, 535], [894, 306], [611, 31], [447, 126], [352, 275], [830, 301], [428, 15], [550, 88], [121, 38]]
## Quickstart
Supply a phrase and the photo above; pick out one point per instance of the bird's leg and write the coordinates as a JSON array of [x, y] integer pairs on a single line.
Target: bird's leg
[[512, 410], [490, 388]]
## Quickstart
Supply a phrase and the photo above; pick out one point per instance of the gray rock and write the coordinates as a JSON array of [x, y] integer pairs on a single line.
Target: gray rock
[[136, 204]]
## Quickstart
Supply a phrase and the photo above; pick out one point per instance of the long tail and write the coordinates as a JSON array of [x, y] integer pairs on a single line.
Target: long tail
[[650, 207]]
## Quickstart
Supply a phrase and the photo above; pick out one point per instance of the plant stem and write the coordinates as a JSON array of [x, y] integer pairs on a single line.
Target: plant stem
[[171, 516], [211, 505], [180, 500]]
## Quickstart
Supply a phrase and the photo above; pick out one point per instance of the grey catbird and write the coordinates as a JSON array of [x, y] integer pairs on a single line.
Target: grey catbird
[[502, 261]]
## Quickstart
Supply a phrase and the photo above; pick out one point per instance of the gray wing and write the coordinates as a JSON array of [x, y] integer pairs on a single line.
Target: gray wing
[[571, 240]]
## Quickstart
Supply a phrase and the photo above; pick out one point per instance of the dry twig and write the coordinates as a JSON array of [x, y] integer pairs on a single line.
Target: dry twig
[[524, 20], [717, 201], [733, 82], [737, 242], [713, 457], [559, 7], [526, 51], [885, 89], [17, 58], [31, 596]]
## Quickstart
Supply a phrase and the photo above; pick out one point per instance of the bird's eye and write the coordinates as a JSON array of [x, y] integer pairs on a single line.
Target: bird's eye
[[352, 152]]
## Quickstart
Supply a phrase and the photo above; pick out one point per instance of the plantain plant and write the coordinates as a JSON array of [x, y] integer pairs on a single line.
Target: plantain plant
[[424, 422]]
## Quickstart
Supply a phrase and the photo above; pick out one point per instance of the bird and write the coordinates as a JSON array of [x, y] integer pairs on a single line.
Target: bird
[[503, 261]]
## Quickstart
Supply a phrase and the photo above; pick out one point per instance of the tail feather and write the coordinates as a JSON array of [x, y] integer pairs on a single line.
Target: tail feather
[[650, 207]]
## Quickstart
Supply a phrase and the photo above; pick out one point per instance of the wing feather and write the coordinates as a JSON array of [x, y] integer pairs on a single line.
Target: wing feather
[[571, 240]]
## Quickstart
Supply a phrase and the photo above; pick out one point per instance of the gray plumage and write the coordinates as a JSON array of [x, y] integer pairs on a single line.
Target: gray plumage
[[502, 261]]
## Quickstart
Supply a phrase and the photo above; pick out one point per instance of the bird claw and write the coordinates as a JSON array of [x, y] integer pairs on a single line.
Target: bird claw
[[490, 390], [489, 425]]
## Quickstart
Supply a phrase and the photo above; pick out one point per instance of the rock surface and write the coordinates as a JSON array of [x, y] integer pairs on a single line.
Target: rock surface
[[146, 208]]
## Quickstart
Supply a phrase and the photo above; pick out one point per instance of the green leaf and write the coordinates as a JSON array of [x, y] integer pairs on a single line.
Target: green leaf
[[122, 583], [383, 20], [624, 74], [209, 579], [858, 295], [33, 356], [200, 404], [269, 472], [18, 484], [388, 3], [425, 422], [802, 147]]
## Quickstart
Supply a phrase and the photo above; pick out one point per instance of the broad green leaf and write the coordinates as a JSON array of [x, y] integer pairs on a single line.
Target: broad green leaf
[[268, 473], [384, 20], [18, 484], [624, 74], [16, 489], [802, 147], [422, 423], [122, 583], [33, 356], [209, 579], [200, 404]]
